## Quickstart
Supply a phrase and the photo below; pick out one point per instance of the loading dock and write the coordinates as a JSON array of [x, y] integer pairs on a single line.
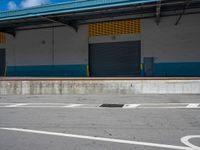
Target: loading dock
[[94, 38], [115, 59], [2, 62]]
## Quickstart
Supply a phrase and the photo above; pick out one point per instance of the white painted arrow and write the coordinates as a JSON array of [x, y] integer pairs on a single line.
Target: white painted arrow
[[184, 140]]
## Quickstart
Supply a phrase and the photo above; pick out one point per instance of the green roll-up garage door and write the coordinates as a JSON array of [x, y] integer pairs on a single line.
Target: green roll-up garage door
[[115, 59]]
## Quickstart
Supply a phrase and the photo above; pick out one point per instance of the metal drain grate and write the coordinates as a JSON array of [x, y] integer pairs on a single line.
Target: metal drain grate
[[111, 105]]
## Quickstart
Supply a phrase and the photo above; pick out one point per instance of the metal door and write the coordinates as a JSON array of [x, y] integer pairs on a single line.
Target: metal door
[[148, 66], [115, 59], [2, 61]]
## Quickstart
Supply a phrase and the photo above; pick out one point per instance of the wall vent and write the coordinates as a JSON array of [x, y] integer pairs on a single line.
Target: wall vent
[[112, 28], [2, 38]]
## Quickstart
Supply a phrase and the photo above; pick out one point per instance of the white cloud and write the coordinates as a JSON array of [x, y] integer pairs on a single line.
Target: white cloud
[[12, 5], [31, 3]]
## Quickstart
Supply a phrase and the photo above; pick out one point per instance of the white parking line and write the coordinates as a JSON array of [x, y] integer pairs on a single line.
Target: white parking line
[[192, 105], [85, 106], [189, 147], [73, 105], [131, 105], [185, 140], [16, 105]]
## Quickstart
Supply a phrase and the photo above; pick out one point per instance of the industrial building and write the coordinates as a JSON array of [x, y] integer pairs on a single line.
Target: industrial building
[[102, 38]]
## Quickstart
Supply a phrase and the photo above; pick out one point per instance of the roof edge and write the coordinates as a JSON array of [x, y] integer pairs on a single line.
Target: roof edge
[[68, 7]]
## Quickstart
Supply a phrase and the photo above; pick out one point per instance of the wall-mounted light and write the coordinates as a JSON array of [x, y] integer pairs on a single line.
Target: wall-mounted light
[[43, 42]]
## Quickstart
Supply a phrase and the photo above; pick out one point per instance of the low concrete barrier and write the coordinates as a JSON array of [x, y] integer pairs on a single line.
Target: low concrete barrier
[[98, 86]]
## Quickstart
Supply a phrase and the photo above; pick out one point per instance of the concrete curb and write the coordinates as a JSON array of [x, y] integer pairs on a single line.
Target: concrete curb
[[61, 87]]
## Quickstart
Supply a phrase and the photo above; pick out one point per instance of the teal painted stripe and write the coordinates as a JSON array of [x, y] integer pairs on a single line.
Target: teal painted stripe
[[160, 70], [48, 71], [187, 69]]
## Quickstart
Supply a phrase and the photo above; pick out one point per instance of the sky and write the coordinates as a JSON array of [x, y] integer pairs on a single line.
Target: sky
[[19, 4]]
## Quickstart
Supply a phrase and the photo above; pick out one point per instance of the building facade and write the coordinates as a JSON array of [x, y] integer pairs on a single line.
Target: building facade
[[125, 47]]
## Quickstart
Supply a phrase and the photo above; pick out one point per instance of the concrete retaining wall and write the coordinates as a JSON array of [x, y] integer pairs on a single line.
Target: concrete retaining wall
[[43, 87]]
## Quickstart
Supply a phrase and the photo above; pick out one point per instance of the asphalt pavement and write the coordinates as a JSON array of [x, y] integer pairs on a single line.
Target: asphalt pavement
[[66, 123]]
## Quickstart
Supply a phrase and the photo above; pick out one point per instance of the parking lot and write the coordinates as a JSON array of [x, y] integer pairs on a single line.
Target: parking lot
[[100, 122]]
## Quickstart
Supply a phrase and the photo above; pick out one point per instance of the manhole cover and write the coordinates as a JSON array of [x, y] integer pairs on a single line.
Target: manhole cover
[[112, 105]]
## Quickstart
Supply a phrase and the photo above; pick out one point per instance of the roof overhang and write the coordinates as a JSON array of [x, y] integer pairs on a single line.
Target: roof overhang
[[81, 12]]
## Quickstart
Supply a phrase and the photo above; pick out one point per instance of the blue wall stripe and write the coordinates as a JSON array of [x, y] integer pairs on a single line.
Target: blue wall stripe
[[160, 70], [187, 69], [49, 71]]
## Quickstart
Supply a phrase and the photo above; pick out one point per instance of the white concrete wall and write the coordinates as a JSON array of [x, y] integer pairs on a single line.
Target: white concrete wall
[[117, 38], [27, 48], [166, 43], [2, 46], [71, 47], [38, 47], [169, 43]]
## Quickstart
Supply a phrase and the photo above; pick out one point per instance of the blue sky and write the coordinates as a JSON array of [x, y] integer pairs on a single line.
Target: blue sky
[[18, 4]]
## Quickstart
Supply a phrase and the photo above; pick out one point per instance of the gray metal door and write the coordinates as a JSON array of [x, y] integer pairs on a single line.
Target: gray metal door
[[148, 66], [115, 59], [2, 61]]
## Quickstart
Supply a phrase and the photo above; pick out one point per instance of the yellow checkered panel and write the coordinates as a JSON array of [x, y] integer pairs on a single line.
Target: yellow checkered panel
[[2, 38], [115, 28]]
